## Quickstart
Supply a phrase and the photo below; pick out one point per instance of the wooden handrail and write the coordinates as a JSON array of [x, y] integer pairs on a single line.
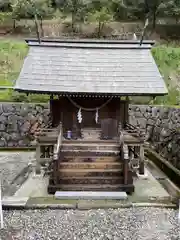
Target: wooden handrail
[[124, 154], [134, 131], [59, 143]]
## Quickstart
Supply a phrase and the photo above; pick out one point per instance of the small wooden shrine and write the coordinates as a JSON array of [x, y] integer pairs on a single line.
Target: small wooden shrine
[[89, 143]]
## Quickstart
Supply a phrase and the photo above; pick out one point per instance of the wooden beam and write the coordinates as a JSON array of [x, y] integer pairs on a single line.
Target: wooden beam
[[141, 163]]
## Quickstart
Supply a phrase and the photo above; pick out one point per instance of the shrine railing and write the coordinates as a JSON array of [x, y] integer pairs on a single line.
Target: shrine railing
[[134, 131], [124, 154], [57, 148], [56, 154]]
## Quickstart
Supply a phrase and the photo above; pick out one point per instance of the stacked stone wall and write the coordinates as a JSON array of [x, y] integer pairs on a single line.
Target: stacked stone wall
[[161, 125]]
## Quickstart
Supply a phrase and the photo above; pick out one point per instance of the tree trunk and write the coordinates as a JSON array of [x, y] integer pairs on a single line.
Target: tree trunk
[[99, 29], [14, 24], [37, 28], [72, 21], [154, 19], [74, 12], [41, 24]]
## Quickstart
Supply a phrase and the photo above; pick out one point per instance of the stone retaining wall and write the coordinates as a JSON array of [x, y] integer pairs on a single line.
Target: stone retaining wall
[[18, 122], [161, 125], [162, 128]]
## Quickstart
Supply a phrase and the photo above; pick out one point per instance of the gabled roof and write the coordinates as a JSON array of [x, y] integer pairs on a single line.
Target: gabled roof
[[90, 66]]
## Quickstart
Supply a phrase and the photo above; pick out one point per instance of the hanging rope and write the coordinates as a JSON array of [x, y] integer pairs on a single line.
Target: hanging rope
[[79, 116], [97, 116], [89, 109]]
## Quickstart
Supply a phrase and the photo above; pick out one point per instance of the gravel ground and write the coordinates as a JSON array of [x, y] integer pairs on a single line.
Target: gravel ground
[[11, 164], [126, 224]]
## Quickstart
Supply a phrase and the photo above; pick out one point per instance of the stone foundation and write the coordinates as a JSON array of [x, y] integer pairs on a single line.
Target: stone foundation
[[18, 122]]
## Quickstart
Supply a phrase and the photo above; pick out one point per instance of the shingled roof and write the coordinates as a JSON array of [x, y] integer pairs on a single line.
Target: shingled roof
[[90, 66]]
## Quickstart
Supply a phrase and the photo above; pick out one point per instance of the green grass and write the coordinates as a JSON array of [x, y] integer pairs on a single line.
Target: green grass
[[168, 61], [13, 52], [12, 55]]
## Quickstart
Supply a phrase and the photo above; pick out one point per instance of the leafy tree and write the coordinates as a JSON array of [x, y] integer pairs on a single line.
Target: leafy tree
[[5, 5], [120, 9], [27, 9], [102, 17], [172, 9], [31, 9], [76, 8], [153, 8]]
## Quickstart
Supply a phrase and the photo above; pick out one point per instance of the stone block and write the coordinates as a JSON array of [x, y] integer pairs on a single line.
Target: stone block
[[91, 195]]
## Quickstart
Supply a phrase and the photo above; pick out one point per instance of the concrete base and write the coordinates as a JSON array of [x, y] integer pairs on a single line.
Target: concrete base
[[91, 195], [147, 188], [35, 186], [143, 176], [14, 201]]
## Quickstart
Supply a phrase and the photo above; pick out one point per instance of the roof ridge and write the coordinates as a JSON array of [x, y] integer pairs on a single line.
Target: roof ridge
[[91, 41]]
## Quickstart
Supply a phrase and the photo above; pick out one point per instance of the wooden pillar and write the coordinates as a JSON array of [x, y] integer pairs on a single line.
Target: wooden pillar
[[126, 111], [141, 160], [125, 160], [51, 110], [38, 158], [55, 175]]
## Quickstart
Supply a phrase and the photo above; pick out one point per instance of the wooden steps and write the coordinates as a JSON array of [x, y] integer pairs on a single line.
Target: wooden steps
[[89, 166], [90, 147], [90, 158], [88, 187], [98, 180], [85, 153], [88, 172]]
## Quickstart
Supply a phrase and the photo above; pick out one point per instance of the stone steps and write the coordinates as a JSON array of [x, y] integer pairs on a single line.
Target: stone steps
[[91, 195]]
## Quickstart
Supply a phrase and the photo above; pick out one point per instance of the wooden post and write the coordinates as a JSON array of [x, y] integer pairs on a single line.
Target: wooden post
[[126, 158], [126, 111], [141, 162], [51, 109], [56, 171]]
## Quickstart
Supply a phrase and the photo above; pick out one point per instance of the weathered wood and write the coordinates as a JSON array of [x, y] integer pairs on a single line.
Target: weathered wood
[[84, 153], [90, 158], [119, 187], [94, 180], [79, 171], [59, 143], [126, 111], [88, 187], [94, 165], [38, 152], [141, 162], [90, 147], [109, 128]]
